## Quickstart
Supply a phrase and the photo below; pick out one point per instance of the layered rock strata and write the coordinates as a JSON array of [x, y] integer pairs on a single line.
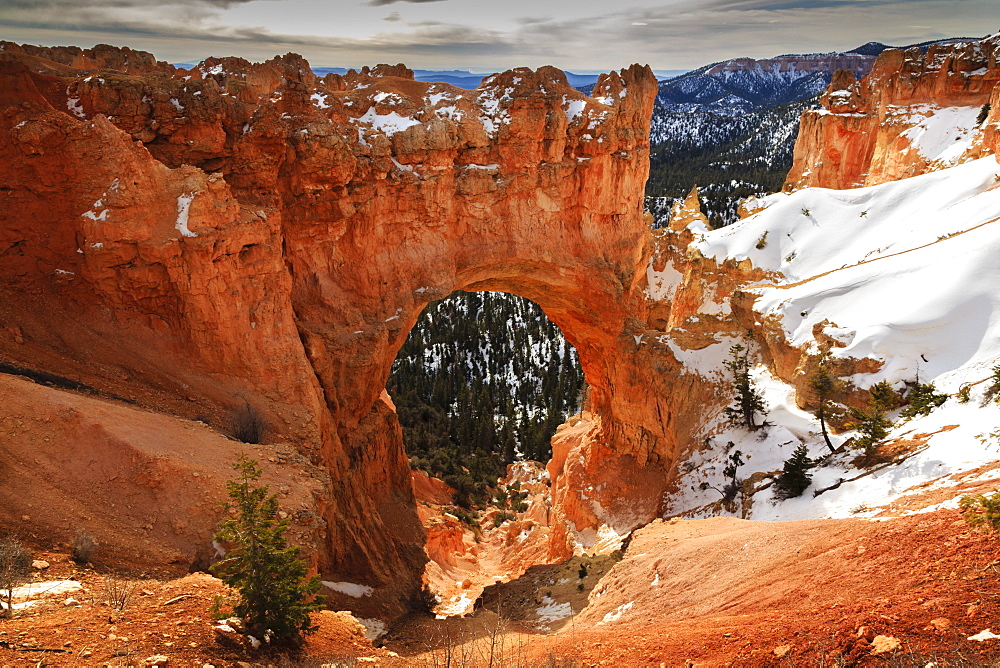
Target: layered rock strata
[[249, 233], [916, 111]]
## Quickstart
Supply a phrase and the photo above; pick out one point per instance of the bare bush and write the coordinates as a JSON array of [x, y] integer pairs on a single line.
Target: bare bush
[[84, 546], [15, 565], [246, 424], [117, 593]]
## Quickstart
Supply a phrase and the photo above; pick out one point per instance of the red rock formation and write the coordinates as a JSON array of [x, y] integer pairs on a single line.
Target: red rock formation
[[193, 238], [248, 232], [464, 560], [858, 139]]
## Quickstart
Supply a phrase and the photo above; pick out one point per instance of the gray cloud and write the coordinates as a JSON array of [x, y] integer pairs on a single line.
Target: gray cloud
[[383, 3], [49, 5], [670, 34]]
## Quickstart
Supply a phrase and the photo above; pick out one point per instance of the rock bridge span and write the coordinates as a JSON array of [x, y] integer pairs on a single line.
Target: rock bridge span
[[252, 230]]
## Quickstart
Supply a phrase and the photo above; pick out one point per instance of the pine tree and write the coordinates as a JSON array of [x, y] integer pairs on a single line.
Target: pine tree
[[873, 424], [275, 597], [794, 478], [748, 400], [823, 384], [993, 391], [984, 113], [982, 512], [923, 399]]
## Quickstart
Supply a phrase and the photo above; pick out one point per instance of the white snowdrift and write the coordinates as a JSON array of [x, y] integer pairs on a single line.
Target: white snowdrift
[[905, 273]]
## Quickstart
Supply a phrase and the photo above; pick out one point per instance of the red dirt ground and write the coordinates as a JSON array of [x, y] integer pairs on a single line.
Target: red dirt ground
[[729, 592]]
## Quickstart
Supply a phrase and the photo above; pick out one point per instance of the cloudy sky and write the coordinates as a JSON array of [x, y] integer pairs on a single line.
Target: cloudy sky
[[577, 35]]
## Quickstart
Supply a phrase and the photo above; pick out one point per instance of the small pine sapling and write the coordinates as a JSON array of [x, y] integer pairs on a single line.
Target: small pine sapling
[[822, 383], [984, 113], [923, 399], [982, 512], [275, 596], [993, 391], [873, 424], [794, 478], [748, 401], [964, 395], [733, 486]]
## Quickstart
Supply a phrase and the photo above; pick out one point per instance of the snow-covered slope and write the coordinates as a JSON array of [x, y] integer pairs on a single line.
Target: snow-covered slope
[[905, 274], [742, 85]]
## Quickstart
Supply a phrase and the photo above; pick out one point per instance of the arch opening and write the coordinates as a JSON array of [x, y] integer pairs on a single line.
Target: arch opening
[[483, 381]]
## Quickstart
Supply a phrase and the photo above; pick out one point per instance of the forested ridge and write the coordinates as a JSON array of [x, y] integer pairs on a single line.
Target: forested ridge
[[482, 381], [729, 157]]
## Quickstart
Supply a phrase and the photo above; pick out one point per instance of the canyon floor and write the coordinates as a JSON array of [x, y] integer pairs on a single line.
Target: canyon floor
[[715, 592]]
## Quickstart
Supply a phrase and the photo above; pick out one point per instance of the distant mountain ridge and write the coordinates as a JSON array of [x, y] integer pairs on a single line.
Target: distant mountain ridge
[[875, 48], [744, 85], [729, 127]]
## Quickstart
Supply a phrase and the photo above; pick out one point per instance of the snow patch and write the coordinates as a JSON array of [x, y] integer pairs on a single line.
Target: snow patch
[[550, 612], [661, 285], [389, 124], [319, 100], [616, 614], [374, 628], [944, 135], [349, 588], [455, 606], [75, 108], [183, 211]]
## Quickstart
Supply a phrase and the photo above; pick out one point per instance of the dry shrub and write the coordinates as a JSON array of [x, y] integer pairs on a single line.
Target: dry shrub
[[84, 546], [15, 565], [246, 424]]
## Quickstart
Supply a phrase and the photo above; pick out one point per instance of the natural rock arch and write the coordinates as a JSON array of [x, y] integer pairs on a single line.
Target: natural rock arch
[[278, 235]]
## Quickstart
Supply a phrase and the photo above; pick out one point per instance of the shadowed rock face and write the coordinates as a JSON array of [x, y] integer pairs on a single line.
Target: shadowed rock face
[[249, 230]]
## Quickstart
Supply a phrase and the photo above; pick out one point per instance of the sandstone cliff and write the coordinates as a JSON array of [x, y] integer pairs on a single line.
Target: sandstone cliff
[[191, 240], [914, 112]]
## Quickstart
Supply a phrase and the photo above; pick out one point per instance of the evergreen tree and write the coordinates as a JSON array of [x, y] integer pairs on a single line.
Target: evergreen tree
[[872, 423], [923, 399], [993, 390], [982, 512], [748, 401], [823, 384], [984, 113], [275, 597], [794, 478]]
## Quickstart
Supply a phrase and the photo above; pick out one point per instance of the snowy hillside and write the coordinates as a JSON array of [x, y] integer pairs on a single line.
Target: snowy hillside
[[904, 274], [730, 127], [483, 380], [742, 85], [729, 157]]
